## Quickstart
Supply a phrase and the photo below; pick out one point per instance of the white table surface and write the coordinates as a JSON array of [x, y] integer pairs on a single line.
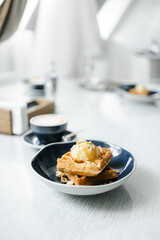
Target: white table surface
[[29, 209]]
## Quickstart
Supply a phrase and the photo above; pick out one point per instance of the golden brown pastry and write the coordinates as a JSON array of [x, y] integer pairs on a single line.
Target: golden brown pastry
[[107, 175], [84, 159], [139, 90]]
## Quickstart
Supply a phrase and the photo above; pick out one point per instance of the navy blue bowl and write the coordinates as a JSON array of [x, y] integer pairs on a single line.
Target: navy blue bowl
[[44, 163], [48, 133], [127, 87], [38, 86]]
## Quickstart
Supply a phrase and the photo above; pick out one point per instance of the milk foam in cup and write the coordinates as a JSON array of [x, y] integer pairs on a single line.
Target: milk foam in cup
[[49, 127], [48, 120]]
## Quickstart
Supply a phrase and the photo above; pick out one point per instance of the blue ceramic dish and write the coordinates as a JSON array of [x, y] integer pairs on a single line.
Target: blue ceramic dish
[[127, 87], [38, 86], [31, 139], [44, 165]]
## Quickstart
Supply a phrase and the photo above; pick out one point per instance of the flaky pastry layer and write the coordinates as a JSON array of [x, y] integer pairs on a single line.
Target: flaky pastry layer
[[106, 175], [134, 91], [70, 165]]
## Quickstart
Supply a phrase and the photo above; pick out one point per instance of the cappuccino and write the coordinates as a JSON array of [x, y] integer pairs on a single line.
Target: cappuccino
[[47, 120]]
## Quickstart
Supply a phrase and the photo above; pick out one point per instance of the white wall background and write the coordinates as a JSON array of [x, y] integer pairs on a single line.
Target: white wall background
[[66, 31], [137, 29], [76, 36]]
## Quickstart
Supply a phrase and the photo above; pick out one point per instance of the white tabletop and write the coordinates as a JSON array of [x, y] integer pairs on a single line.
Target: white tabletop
[[29, 209]]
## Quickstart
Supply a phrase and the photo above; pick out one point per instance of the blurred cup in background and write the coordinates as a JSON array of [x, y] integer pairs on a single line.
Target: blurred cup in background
[[95, 73], [51, 81]]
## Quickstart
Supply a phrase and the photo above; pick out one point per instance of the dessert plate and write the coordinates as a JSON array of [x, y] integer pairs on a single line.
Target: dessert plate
[[152, 97], [33, 141], [45, 161]]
